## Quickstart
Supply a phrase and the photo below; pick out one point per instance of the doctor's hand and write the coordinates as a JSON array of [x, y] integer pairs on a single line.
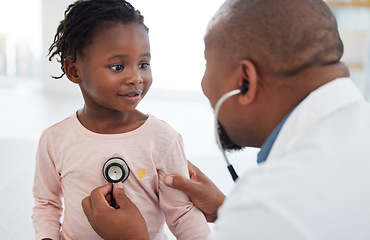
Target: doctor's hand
[[201, 190], [124, 223]]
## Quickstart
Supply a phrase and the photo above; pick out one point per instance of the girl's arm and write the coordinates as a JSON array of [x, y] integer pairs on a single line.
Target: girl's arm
[[182, 217], [47, 193]]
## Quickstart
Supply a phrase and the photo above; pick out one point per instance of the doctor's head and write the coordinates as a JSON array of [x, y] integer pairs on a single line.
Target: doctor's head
[[275, 46]]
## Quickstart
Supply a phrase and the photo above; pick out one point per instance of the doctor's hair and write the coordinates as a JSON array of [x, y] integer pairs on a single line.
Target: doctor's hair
[[281, 38], [85, 18]]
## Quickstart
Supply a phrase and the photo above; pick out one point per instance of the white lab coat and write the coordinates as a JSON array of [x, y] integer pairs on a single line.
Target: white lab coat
[[315, 183]]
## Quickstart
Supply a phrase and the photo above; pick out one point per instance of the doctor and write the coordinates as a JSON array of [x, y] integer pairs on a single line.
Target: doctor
[[312, 124]]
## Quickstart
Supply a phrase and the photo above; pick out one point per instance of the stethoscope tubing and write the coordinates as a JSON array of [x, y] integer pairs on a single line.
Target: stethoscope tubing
[[226, 96]]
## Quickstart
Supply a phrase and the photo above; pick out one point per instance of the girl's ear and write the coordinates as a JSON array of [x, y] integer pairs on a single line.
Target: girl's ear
[[71, 70], [247, 82]]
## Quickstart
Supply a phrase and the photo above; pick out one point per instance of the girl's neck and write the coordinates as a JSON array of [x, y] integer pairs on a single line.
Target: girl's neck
[[113, 122]]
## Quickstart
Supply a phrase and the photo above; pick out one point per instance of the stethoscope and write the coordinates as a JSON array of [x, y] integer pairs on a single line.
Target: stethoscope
[[243, 89], [115, 170]]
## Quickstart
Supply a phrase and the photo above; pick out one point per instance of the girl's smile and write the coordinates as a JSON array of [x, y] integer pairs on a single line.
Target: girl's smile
[[132, 97]]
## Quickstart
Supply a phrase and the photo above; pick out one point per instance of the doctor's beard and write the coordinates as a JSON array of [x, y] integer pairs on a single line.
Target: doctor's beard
[[226, 142]]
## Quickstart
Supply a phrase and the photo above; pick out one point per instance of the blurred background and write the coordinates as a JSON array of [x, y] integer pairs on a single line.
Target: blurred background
[[30, 100]]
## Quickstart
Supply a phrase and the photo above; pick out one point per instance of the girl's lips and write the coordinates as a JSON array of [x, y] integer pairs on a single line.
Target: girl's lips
[[131, 97], [131, 94]]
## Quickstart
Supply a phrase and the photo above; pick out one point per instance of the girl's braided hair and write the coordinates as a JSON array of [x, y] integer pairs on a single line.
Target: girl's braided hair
[[82, 20]]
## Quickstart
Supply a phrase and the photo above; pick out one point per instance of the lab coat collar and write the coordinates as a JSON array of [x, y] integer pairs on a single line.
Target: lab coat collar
[[317, 105]]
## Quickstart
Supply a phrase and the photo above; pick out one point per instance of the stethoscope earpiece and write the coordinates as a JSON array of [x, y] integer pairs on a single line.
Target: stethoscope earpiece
[[116, 170]]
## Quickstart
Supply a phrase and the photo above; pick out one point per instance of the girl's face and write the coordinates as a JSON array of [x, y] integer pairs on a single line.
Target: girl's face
[[114, 70]]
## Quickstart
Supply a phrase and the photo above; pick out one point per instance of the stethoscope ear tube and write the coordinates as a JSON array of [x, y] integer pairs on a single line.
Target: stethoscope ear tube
[[227, 95]]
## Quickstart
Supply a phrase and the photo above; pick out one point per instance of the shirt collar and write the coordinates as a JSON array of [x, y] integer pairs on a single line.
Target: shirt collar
[[266, 147]]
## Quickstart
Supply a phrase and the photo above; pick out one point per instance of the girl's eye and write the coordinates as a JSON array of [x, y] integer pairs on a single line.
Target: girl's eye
[[118, 67], [144, 65]]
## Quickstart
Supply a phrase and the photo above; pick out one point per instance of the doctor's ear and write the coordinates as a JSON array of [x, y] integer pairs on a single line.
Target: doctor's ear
[[247, 82], [71, 70]]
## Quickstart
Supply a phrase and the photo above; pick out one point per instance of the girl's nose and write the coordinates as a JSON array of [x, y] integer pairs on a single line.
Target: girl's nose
[[134, 78]]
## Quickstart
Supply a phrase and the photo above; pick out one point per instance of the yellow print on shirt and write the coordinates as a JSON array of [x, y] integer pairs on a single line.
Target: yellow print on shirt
[[141, 173]]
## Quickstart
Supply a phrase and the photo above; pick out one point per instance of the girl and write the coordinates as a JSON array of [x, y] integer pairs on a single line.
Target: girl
[[103, 47]]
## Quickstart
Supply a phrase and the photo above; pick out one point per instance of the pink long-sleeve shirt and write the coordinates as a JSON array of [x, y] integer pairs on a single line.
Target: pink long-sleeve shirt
[[69, 166]]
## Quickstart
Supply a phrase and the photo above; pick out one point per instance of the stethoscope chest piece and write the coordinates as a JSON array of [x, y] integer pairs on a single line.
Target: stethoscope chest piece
[[116, 170]]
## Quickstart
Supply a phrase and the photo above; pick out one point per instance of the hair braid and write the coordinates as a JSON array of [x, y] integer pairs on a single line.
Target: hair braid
[[82, 20]]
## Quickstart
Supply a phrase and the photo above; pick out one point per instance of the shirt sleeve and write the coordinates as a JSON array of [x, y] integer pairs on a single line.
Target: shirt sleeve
[[47, 193], [183, 219]]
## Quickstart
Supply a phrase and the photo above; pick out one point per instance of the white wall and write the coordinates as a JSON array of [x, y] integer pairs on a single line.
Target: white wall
[[176, 34]]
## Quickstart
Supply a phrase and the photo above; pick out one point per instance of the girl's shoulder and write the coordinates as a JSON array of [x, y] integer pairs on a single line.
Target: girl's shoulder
[[62, 126], [160, 125]]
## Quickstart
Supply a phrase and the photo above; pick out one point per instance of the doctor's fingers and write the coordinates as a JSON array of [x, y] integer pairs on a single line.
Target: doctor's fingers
[[86, 206], [97, 199], [195, 173], [204, 182], [188, 186], [198, 181]]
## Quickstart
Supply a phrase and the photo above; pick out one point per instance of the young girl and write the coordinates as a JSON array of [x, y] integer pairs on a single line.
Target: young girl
[[103, 47]]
